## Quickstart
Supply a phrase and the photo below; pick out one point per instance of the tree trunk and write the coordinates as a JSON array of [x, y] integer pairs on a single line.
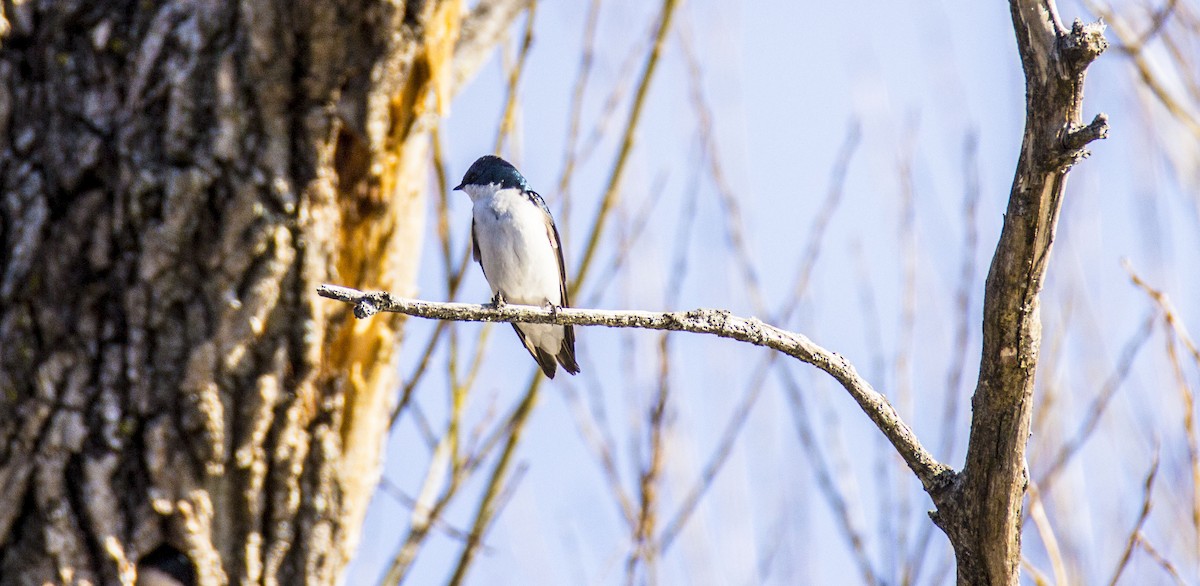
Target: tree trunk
[[177, 178]]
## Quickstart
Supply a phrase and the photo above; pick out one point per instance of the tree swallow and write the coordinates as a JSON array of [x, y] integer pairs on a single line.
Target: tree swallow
[[514, 240]]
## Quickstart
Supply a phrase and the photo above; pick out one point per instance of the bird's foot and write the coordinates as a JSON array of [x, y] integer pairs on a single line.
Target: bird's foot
[[498, 301], [552, 307]]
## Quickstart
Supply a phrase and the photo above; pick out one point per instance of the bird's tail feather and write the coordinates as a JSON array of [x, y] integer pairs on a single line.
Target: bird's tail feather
[[546, 361], [543, 358], [566, 352]]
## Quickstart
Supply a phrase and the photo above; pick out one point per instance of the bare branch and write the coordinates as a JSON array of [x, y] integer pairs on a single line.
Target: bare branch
[[934, 475], [389, 487], [1082, 45], [1078, 136], [1147, 502], [1163, 562], [1039, 577]]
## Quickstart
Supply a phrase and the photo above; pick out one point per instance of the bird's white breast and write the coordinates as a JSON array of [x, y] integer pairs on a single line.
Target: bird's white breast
[[515, 247]]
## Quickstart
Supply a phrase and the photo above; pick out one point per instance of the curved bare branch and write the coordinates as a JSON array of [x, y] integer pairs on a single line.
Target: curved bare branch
[[935, 476]]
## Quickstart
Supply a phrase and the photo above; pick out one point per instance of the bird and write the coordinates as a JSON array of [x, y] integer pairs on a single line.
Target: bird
[[515, 242]]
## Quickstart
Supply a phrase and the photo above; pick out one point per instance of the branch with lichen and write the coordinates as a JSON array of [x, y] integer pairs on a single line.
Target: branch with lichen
[[934, 475]]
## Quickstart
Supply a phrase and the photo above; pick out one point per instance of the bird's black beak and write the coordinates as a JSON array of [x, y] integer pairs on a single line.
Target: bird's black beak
[[459, 188]]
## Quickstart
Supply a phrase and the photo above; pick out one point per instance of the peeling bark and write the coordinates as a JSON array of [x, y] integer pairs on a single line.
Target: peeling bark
[[176, 179]]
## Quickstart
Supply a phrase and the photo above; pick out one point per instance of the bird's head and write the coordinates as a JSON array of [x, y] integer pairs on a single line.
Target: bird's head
[[492, 170]]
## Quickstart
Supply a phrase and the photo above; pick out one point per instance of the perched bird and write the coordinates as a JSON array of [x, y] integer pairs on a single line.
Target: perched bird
[[514, 239]]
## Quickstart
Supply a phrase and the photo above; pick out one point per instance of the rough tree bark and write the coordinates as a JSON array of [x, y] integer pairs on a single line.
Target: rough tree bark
[[176, 178]]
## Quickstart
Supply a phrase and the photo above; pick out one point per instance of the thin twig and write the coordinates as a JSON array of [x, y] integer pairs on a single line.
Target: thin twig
[[774, 544], [1183, 59], [966, 284], [443, 206], [724, 447], [479, 445], [423, 426], [755, 387], [1189, 428], [1162, 561], [1046, 531], [426, 512], [390, 488], [1147, 500], [481, 344], [454, 277], [1156, 23], [643, 537], [883, 465], [1169, 313], [1039, 577], [609, 108], [482, 29]]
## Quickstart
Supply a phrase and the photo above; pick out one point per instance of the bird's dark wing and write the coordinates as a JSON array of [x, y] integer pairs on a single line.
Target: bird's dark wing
[[552, 234], [539, 202], [566, 353], [475, 248]]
